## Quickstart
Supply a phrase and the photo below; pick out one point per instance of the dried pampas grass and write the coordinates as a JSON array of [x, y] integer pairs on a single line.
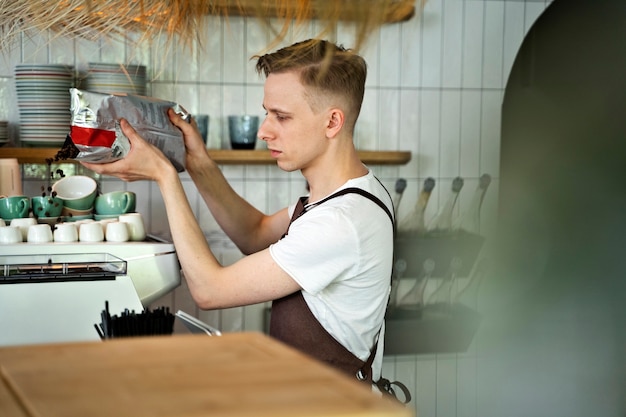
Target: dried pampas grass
[[182, 20]]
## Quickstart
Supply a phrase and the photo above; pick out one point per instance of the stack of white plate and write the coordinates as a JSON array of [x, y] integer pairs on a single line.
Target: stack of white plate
[[116, 78], [43, 99], [4, 132]]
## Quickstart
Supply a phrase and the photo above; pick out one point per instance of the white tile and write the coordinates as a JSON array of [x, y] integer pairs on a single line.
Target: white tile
[[432, 44], [254, 101], [409, 129], [389, 120], [156, 218], [371, 52], [257, 39], [425, 399], [446, 387], [210, 102], [137, 50], [467, 389], [256, 193], [366, 129], [429, 135], [411, 49], [8, 58], [450, 146], [235, 60], [493, 44], [186, 95], [473, 44], [186, 63], [390, 61], [279, 196], [513, 34], [162, 60], [452, 44], [164, 91], [211, 51], [490, 131], [87, 51], [35, 48], [471, 114], [61, 50], [254, 318], [113, 51]]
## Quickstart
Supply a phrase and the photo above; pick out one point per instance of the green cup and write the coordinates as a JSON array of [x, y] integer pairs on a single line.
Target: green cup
[[46, 206], [115, 202], [14, 207]]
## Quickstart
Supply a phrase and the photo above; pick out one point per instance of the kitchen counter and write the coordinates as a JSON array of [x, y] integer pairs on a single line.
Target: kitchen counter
[[237, 374]]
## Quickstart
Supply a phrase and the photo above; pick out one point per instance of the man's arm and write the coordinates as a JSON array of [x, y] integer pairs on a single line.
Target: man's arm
[[255, 278], [250, 229]]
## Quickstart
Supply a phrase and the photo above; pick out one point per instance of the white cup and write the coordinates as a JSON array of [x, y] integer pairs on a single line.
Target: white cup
[[90, 232], [66, 232], [104, 224], [10, 234], [117, 232], [24, 224], [136, 227], [39, 233]]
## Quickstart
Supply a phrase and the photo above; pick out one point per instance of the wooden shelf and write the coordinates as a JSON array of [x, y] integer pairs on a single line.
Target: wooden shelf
[[221, 156], [394, 12]]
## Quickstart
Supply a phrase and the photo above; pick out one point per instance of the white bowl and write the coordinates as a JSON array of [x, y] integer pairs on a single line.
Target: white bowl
[[77, 191]]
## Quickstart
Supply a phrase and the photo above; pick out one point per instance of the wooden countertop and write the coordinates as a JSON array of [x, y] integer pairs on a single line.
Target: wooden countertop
[[237, 374]]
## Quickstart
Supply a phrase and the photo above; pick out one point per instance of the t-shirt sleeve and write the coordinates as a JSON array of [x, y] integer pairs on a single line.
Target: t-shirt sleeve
[[319, 248]]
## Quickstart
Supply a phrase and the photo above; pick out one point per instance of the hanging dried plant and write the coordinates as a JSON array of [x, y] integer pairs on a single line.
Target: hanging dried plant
[[182, 20]]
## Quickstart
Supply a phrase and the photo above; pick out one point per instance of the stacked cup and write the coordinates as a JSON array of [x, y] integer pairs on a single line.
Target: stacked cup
[[78, 194], [13, 210], [115, 210]]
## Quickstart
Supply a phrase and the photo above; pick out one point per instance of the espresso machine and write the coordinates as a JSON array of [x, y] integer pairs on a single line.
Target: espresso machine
[[56, 292]]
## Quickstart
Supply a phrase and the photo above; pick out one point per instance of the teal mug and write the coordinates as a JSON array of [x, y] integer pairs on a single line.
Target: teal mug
[[46, 206], [115, 202], [14, 207]]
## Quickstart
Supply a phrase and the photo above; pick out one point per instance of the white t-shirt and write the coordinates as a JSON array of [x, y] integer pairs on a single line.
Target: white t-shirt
[[341, 254]]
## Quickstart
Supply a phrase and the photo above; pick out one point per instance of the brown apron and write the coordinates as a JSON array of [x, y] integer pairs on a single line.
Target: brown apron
[[293, 323]]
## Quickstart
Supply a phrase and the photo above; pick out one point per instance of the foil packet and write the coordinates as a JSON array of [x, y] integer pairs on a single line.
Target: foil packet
[[96, 133]]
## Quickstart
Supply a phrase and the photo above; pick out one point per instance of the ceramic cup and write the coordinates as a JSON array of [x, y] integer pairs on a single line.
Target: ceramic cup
[[14, 207], [10, 234], [68, 212], [90, 232], [115, 202], [117, 232], [23, 224], [78, 192], [242, 131], [46, 206], [39, 233], [202, 121], [136, 227], [65, 232]]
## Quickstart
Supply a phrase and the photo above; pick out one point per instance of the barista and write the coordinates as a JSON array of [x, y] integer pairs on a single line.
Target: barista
[[327, 269]]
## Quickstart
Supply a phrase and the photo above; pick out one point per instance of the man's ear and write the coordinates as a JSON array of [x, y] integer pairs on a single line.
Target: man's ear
[[336, 119]]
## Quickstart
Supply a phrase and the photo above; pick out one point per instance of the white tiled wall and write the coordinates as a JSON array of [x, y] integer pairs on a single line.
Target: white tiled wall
[[435, 88]]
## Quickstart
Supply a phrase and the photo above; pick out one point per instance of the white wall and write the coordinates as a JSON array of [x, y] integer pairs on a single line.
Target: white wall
[[435, 87]]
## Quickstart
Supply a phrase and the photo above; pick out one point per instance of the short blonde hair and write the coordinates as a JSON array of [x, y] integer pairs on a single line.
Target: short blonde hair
[[325, 69]]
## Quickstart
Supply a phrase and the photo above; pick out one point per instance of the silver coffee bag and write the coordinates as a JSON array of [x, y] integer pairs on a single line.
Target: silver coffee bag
[[96, 132]]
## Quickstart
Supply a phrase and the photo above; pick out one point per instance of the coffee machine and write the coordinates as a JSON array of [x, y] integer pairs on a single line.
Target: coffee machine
[[56, 292]]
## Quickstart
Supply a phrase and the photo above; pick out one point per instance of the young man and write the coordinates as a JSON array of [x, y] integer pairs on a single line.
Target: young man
[[328, 272]]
